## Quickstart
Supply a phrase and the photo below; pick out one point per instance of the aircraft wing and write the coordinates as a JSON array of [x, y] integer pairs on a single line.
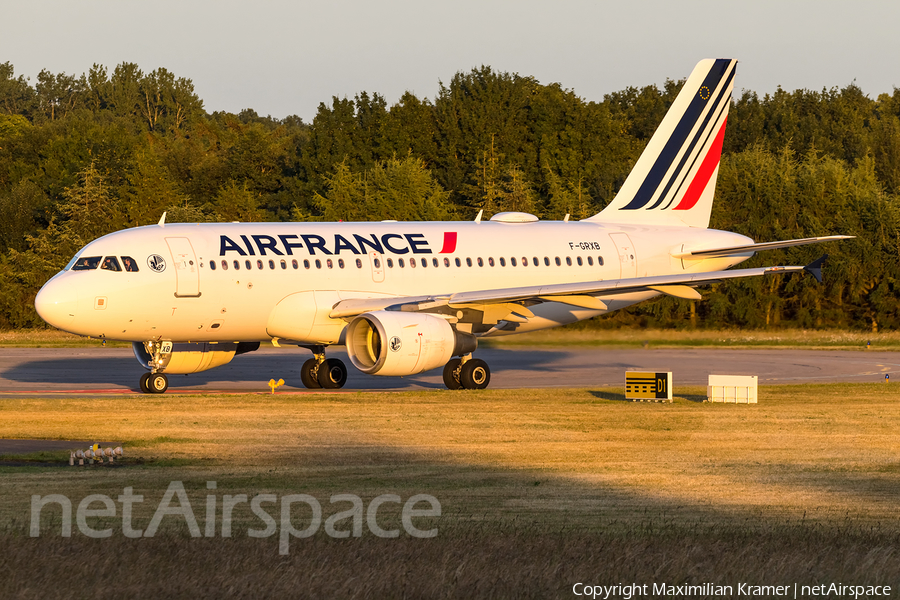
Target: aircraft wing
[[734, 250], [587, 294]]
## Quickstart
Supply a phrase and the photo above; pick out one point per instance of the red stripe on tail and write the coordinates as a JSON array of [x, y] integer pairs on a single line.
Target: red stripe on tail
[[704, 173]]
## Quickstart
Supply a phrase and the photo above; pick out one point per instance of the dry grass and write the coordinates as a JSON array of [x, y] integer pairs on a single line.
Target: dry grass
[[539, 489], [633, 338], [679, 338]]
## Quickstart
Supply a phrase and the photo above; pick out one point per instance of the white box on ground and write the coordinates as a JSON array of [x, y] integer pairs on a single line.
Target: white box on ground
[[740, 389]]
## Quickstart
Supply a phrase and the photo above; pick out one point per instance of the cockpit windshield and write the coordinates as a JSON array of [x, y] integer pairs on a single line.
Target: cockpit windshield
[[87, 263], [111, 263], [130, 264]]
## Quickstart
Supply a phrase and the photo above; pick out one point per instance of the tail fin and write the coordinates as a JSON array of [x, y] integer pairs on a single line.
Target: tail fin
[[674, 180]]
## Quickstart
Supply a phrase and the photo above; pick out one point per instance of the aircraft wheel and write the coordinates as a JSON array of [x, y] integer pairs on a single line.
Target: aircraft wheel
[[475, 374], [157, 383], [308, 374], [451, 374], [144, 387], [332, 374]]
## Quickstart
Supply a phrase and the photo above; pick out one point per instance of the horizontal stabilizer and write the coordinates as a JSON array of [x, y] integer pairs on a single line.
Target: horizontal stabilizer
[[736, 250]]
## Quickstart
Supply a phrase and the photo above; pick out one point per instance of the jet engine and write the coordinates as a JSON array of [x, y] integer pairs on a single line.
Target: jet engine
[[193, 357], [403, 343]]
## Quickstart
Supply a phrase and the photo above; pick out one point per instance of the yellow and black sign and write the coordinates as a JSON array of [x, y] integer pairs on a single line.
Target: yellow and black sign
[[643, 385]]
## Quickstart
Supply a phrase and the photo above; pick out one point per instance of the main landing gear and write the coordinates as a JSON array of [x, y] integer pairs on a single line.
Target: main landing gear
[[320, 372], [467, 373], [154, 383]]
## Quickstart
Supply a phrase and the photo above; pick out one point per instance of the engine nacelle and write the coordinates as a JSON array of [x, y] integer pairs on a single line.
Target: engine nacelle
[[403, 343], [193, 357]]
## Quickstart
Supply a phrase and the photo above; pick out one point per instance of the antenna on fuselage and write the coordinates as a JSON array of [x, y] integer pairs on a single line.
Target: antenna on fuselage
[[478, 218], [162, 220]]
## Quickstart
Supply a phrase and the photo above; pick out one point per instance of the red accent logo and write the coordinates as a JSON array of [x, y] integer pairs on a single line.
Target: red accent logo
[[449, 243]]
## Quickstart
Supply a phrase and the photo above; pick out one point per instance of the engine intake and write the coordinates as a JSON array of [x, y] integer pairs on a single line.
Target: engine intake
[[403, 343]]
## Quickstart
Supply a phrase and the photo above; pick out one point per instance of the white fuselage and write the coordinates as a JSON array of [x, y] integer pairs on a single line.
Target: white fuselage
[[177, 295]]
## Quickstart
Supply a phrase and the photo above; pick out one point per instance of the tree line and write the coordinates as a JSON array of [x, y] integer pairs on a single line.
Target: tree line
[[81, 156]]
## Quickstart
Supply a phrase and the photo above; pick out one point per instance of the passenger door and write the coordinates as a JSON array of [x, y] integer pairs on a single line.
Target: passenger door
[[187, 275]]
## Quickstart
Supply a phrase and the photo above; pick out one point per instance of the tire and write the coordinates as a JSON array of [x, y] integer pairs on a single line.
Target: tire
[[308, 374], [475, 374], [451, 377], [332, 374], [158, 383], [144, 387]]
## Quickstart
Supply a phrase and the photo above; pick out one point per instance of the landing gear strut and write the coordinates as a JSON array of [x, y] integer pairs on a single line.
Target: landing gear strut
[[467, 373], [155, 382], [321, 372]]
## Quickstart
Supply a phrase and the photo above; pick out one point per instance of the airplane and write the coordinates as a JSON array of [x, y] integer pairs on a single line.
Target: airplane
[[409, 297]]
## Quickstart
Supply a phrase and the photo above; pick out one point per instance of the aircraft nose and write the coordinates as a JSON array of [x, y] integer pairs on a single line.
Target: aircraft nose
[[56, 303]]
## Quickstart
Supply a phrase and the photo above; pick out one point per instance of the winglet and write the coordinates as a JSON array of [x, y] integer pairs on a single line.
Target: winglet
[[162, 220], [815, 268]]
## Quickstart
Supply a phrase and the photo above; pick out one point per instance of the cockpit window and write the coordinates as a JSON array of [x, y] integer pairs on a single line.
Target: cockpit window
[[130, 264], [111, 263], [87, 263]]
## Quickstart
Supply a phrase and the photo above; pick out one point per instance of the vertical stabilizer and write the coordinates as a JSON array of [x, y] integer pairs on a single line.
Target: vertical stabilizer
[[674, 180]]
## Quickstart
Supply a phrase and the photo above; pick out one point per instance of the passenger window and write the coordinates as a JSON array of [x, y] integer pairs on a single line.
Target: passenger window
[[400, 263], [491, 261], [480, 262], [131, 265], [502, 262], [259, 264], [341, 263], [305, 264], [412, 263], [546, 261], [512, 261], [377, 263], [524, 261], [224, 265], [580, 262], [87, 264], [458, 263], [249, 266], [590, 261], [329, 263], [295, 264], [558, 262], [434, 261], [318, 264], [212, 265], [424, 263], [536, 263], [358, 264], [271, 264], [446, 262], [390, 263], [284, 264], [600, 260], [468, 261], [569, 261], [237, 266]]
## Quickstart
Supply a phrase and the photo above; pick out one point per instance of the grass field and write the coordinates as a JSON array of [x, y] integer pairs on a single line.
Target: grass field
[[539, 489], [627, 338]]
